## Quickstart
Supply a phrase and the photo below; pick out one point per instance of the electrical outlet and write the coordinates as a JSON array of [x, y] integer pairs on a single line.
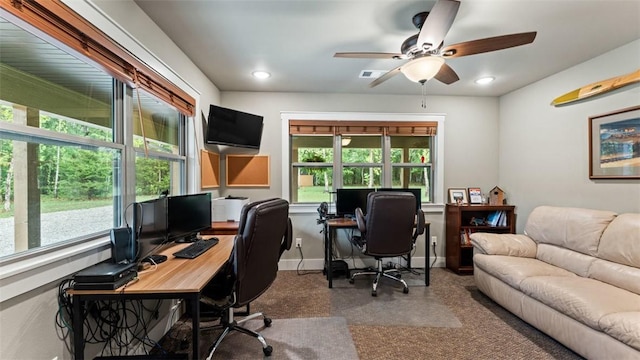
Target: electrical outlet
[[298, 242], [434, 240]]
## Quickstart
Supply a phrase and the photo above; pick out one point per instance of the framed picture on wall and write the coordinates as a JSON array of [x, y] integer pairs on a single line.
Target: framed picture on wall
[[614, 145], [475, 195], [458, 196]]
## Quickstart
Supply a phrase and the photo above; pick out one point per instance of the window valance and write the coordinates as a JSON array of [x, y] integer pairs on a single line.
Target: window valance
[[395, 128]]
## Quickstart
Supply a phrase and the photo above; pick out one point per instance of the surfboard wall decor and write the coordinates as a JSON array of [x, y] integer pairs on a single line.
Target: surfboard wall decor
[[597, 88]]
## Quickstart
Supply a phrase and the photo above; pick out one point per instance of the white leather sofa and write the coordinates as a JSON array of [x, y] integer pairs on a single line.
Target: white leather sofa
[[574, 274]]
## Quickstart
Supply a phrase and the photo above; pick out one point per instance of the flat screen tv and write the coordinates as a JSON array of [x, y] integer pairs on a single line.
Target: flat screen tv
[[187, 215], [233, 128]]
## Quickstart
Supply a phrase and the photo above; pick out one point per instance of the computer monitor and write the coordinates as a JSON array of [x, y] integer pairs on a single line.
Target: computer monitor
[[150, 223], [348, 200], [187, 215], [415, 191]]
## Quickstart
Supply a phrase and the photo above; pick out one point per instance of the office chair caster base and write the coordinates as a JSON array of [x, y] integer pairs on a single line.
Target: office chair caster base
[[405, 290], [374, 293], [268, 350], [267, 322], [351, 281]]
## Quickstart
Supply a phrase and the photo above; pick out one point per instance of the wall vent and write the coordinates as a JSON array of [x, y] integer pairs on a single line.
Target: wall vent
[[371, 74]]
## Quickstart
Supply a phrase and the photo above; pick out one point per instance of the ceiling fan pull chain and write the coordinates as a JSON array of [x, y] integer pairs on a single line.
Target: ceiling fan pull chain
[[424, 94]]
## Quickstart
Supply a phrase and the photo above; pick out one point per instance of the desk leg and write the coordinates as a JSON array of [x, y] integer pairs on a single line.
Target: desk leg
[[330, 256], [195, 325], [427, 251], [78, 328]]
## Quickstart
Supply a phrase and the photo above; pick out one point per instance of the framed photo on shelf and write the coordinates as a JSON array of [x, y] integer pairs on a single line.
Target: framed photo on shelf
[[475, 195], [613, 142], [458, 196]]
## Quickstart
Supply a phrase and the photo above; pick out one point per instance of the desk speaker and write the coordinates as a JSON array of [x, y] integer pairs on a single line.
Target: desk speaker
[[121, 245]]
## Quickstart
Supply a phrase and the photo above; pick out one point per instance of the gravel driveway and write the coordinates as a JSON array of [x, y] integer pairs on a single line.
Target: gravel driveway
[[60, 226]]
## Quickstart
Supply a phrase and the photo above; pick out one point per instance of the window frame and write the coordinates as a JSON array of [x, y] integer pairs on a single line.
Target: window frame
[[437, 152], [25, 271]]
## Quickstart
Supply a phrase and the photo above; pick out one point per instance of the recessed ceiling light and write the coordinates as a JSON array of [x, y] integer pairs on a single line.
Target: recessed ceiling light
[[261, 74], [485, 80]]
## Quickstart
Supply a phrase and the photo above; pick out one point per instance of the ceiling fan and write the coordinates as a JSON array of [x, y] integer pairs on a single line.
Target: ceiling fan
[[426, 51]]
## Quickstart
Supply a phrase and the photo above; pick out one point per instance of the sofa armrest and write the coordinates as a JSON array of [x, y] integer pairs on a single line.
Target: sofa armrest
[[504, 244]]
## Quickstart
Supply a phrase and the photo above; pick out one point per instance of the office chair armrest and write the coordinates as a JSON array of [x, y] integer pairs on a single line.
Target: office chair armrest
[[420, 224], [361, 221], [288, 237]]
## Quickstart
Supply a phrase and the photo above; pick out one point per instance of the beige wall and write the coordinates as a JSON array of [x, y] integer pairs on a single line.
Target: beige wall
[[544, 149]]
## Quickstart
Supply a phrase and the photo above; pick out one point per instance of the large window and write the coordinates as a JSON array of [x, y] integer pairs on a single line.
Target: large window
[[377, 153], [64, 139]]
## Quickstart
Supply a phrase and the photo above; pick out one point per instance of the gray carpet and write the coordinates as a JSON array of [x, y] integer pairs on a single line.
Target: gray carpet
[[302, 338], [391, 307]]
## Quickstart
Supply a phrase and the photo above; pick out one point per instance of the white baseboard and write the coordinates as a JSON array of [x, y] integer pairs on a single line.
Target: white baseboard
[[318, 264]]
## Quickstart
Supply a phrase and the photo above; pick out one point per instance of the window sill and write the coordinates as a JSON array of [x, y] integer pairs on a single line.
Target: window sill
[[19, 277]]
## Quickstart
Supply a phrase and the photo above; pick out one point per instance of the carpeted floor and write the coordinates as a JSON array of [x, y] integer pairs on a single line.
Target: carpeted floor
[[462, 324]]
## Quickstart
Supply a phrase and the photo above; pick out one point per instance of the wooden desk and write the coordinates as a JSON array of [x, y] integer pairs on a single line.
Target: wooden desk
[[173, 279], [330, 227], [222, 228]]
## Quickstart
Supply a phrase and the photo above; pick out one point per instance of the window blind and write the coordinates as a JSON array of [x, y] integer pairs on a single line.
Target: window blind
[[69, 30], [395, 128]]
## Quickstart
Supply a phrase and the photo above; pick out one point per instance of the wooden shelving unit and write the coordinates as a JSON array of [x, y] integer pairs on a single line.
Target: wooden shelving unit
[[458, 219]]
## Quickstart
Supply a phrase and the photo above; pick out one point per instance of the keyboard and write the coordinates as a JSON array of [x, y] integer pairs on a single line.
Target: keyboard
[[196, 249]]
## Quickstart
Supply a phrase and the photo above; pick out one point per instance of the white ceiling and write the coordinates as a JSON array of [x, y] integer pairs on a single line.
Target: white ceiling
[[295, 40]]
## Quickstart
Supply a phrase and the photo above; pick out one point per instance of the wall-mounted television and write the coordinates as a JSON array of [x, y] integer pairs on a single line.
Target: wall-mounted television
[[233, 128]]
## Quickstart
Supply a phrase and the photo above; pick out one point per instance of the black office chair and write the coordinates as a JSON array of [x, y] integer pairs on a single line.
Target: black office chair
[[388, 231], [264, 233]]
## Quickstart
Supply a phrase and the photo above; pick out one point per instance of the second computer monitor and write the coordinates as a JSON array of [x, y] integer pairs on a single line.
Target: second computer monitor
[[188, 214]]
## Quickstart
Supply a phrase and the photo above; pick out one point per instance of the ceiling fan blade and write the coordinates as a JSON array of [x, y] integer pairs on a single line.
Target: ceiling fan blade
[[488, 44], [369, 55], [388, 75], [447, 75], [437, 24]]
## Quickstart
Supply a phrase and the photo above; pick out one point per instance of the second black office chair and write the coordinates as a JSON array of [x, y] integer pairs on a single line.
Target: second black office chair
[[264, 233], [388, 231]]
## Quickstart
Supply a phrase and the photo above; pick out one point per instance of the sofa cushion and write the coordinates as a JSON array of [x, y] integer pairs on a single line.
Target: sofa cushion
[[504, 244], [573, 261], [571, 228], [513, 270], [624, 326], [583, 299], [620, 241]]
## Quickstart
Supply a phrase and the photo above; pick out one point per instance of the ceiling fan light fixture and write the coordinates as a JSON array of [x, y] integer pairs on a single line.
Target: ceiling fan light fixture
[[485, 80], [423, 68], [261, 74]]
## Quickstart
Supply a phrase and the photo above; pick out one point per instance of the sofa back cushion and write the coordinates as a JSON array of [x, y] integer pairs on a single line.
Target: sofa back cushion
[[577, 263], [572, 228], [622, 276], [620, 242]]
